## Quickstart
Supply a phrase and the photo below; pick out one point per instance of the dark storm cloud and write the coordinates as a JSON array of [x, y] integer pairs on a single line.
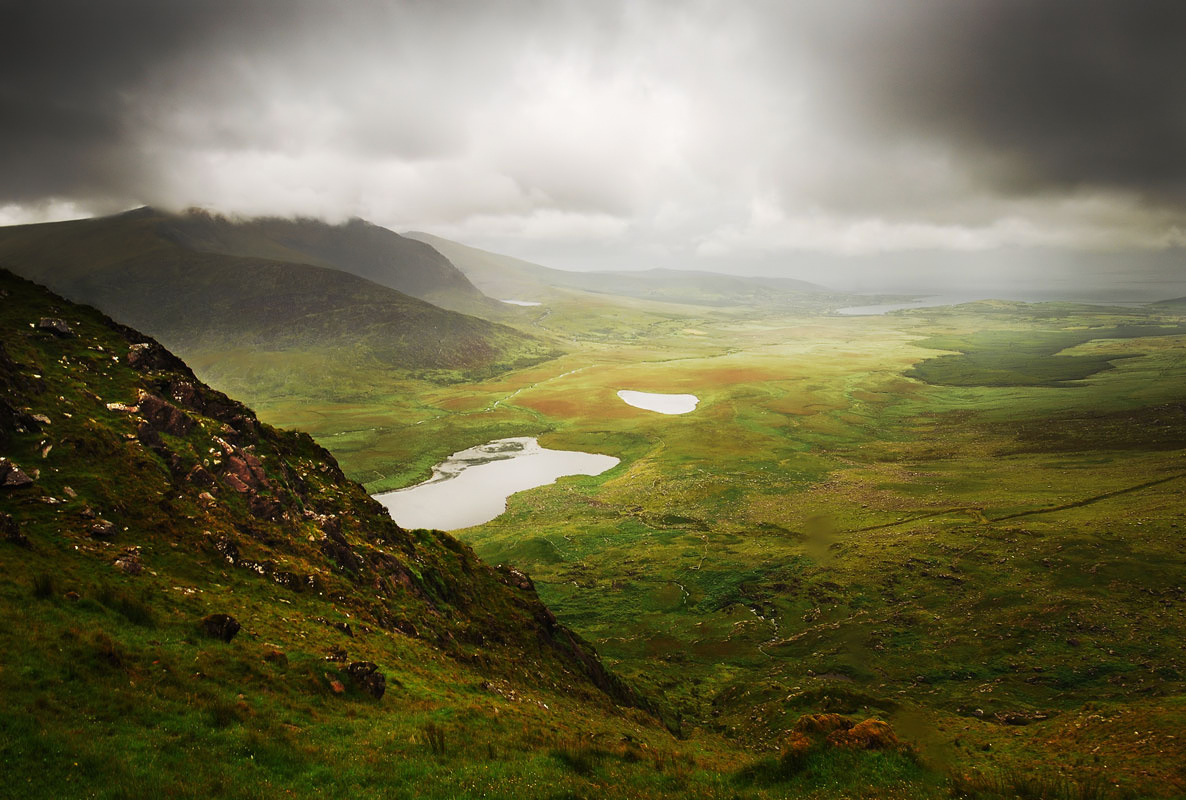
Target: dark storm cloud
[[1034, 94], [70, 73]]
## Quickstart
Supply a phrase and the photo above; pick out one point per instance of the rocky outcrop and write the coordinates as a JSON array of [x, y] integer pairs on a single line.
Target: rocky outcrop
[[56, 326], [220, 626], [102, 529], [128, 561], [163, 416], [145, 356], [366, 676], [12, 476]]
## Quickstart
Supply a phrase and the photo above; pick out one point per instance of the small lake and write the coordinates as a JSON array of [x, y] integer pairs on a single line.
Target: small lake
[[521, 302], [472, 486], [662, 403]]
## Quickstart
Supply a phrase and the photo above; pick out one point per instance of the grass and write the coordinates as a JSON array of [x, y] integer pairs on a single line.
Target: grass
[[993, 568], [700, 566]]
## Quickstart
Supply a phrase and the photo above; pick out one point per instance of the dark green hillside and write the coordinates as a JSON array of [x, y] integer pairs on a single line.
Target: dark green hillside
[[138, 267], [357, 247]]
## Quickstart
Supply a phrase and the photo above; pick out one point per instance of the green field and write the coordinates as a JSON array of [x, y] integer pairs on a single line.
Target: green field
[[966, 519]]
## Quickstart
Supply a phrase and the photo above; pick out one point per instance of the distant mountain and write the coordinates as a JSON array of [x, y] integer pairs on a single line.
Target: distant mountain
[[177, 278], [506, 277]]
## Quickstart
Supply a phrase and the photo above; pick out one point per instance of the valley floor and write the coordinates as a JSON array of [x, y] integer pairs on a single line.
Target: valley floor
[[967, 521]]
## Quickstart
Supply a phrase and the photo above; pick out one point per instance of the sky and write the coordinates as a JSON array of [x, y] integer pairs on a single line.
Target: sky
[[1023, 144]]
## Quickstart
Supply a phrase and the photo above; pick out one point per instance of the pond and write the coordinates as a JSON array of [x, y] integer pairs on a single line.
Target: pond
[[662, 403], [472, 486]]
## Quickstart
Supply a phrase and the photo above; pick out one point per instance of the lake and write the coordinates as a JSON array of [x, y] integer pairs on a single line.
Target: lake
[[521, 302], [662, 403], [472, 486]]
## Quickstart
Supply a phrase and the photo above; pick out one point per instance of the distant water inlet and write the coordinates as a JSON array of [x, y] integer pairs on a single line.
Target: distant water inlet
[[472, 486], [662, 403]]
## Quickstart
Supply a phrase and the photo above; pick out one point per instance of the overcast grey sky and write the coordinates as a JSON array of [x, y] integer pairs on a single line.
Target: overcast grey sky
[[886, 138]]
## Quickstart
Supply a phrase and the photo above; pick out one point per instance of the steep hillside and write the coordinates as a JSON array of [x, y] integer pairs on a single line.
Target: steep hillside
[[152, 518], [512, 278], [144, 268]]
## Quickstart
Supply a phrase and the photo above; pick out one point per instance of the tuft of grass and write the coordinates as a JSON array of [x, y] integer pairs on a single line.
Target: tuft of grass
[[579, 758], [434, 737], [136, 610], [43, 585]]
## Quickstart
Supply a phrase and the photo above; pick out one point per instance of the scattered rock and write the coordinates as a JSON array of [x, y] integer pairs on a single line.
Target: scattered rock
[[129, 561], [42, 418], [200, 476], [336, 653], [872, 734], [274, 656], [73, 495], [1020, 717], [344, 627], [207, 499], [515, 578], [366, 676], [228, 549], [337, 686], [236, 483], [103, 529], [73, 596], [220, 626], [57, 327], [346, 558], [12, 531], [12, 476]]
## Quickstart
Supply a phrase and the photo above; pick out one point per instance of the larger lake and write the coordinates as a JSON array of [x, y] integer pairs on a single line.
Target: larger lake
[[472, 486]]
